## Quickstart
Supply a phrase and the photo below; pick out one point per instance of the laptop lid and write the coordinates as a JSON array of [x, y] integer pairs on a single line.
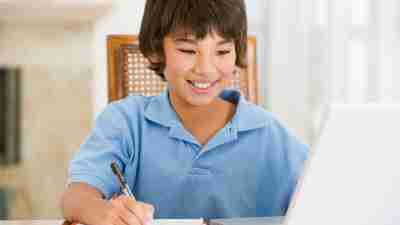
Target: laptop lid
[[353, 174]]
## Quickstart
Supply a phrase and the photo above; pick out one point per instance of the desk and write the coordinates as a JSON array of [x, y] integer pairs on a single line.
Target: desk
[[240, 221], [33, 222]]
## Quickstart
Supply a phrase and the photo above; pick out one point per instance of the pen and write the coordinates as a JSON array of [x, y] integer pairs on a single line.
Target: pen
[[121, 179], [207, 221]]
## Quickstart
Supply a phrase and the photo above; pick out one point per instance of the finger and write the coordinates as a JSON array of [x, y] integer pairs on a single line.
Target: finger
[[120, 221], [148, 209], [115, 196], [115, 220], [137, 209], [122, 213], [128, 217]]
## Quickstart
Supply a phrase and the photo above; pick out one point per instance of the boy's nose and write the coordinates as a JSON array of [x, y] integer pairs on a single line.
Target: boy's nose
[[204, 65]]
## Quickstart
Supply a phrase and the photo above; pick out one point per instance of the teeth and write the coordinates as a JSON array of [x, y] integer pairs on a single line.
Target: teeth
[[201, 85]]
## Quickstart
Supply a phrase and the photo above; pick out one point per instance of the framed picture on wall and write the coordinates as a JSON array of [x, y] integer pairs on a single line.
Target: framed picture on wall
[[9, 116]]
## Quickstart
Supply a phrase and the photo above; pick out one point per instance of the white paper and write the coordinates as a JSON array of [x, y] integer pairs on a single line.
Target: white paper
[[177, 222]]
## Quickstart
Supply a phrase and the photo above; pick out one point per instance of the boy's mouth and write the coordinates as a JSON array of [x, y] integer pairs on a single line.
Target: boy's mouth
[[201, 84]]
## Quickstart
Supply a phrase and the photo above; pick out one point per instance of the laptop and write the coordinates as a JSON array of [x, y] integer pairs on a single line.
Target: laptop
[[353, 175]]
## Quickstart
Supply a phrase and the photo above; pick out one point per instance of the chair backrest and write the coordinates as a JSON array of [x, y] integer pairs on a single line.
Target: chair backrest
[[128, 71]]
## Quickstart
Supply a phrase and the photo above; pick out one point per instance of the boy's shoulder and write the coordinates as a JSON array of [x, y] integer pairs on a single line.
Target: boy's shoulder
[[263, 122], [130, 109], [136, 108], [130, 104], [254, 116]]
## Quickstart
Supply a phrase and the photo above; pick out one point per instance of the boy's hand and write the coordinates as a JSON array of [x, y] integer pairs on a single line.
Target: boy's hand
[[124, 210]]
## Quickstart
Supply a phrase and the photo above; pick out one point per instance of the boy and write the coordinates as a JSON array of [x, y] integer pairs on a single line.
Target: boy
[[197, 150]]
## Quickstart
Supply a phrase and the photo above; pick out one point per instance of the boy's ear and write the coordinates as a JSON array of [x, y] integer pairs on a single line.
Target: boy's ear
[[154, 58]]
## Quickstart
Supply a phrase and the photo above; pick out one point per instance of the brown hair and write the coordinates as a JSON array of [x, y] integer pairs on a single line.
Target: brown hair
[[198, 17]]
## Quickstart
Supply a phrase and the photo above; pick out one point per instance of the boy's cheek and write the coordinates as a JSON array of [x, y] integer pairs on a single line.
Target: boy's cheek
[[227, 71], [182, 64], [179, 68]]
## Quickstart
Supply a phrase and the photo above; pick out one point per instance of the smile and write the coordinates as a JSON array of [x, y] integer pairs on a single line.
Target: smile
[[202, 85]]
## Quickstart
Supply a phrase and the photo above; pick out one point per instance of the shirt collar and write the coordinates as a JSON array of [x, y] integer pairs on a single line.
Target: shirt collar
[[247, 116], [160, 110]]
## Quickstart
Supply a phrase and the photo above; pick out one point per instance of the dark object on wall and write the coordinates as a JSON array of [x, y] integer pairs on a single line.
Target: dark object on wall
[[3, 204], [9, 116]]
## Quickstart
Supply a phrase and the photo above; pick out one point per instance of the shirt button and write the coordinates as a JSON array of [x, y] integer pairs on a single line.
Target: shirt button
[[199, 171]]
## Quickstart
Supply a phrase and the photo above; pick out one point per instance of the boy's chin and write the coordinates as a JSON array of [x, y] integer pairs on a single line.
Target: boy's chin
[[200, 101]]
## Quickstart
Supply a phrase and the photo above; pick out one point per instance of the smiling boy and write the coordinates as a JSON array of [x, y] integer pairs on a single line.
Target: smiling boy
[[196, 150]]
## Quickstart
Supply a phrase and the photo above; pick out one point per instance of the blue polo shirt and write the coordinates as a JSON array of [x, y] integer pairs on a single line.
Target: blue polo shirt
[[248, 169]]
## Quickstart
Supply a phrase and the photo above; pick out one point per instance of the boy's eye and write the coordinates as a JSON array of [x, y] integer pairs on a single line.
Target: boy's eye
[[187, 51], [223, 52]]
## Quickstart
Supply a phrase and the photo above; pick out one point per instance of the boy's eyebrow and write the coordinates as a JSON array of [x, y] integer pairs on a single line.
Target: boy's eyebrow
[[225, 41], [193, 41], [185, 40]]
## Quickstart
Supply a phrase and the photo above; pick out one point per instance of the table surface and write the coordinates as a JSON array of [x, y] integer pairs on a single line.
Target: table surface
[[238, 221], [34, 222]]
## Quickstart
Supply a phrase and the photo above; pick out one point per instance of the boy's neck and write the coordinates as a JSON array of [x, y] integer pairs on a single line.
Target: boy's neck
[[188, 112], [203, 121]]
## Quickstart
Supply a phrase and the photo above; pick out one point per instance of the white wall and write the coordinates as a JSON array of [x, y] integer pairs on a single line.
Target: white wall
[[124, 18], [258, 26], [288, 78], [45, 45]]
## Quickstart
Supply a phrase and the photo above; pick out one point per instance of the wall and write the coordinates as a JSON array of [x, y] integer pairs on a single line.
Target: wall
[[56, 110], [124, 18], [289, 87]]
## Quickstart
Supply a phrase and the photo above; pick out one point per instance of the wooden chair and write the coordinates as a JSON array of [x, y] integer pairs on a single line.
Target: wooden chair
[[128, 72]]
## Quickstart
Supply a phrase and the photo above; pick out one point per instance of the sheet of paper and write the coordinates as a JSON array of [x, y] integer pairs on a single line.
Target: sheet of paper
[[177, 222], [171, 222], [249, 221], [231, 221]]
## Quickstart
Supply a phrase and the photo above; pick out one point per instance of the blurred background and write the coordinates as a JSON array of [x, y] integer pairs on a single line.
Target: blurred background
[[53, 80]]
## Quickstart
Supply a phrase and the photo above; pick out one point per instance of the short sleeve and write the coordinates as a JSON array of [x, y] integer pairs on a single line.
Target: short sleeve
[[107, 142], [291, 154]]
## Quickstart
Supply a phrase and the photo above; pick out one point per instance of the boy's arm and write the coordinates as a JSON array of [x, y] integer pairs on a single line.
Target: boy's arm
[[91, 181], [78, 199], [85, 204]]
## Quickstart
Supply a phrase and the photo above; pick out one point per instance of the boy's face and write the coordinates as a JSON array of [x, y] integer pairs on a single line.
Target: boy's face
[[198, 70]]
